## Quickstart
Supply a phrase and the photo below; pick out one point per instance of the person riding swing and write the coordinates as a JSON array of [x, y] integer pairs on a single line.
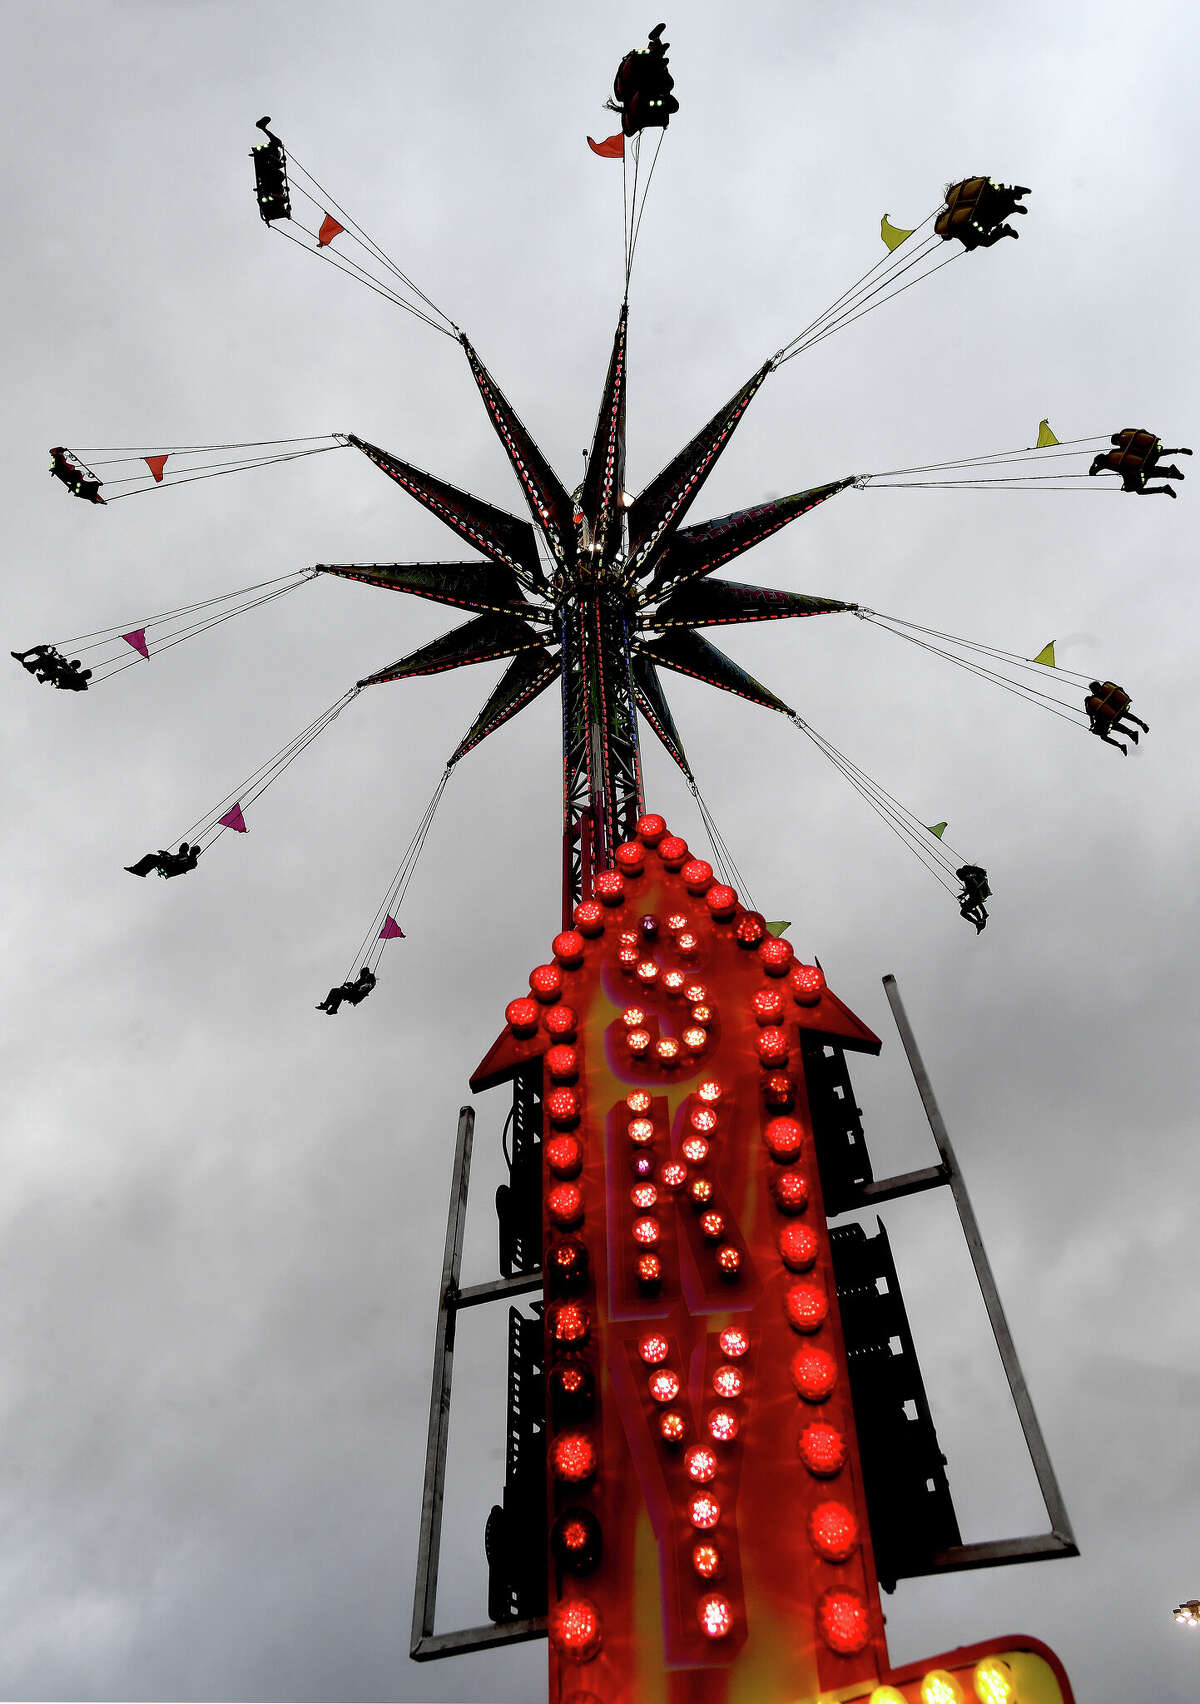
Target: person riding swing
[[167, 864], [1135, 458], [1108, 710], [974, 891], [353, 993]]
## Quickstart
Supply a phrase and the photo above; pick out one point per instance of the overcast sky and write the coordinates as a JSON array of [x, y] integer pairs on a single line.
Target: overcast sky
[[222, 1214]]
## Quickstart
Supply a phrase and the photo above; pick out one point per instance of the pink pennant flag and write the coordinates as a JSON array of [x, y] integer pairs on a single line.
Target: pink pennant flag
[[391, 930], [138, 640], [329, 230], [156, 465], [234, 819]]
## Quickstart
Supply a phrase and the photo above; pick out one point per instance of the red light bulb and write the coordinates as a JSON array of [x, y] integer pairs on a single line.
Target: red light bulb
[[822, 1449], [833, 1532], [814, 1373], [564, 1156], [790, 1190], [638, 1100], [703, 1120], [648, 927], [728, 1382], [687, 943], [564, 1204], [843, 1620], [638, 1041], [700, 1464], [676, 921], [767, 1006], [779, 1089], [775, 955], [799, 1246], [647, 972], [704, 1511], [729, 1259], [709, 1092], [702, 1015], [697, 876], [695, 1038], [784, 1138], [522, 1015], [712, 1226], [627, 958], [653, 1348], [545, 982], [723, 1425], [562, 1105], [574, 1629], [561, 1022], [640, 1131], [562, 1062], [589, 917], [695, 1150], [650, 829], [666, 1051], [715, 1615], [573, 1457], [570, 1323], [672, 1175], [641, 1165], [807, 983], [722, 901], [610, 887], [630, 859], [663, 1385], [751, 929], [772, 1046], [644, 1196], [734, 1342], [568, 947], [673, 851], [696, 993], [673, 981], [672, 1426], [648, 1270], [700, 1190], [646, 1231], [706, 1560], [807, 1307]]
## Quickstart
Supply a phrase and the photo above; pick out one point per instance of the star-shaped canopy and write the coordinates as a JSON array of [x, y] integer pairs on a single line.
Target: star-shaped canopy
[[635, 551]]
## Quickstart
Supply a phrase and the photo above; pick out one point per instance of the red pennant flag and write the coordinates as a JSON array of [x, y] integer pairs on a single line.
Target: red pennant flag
[[156, 465], [329, 230], [612, 147], [138, 640], [391, 930], [234, 819]]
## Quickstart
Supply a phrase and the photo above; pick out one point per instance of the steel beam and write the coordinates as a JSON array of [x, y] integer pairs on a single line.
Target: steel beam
[[425, 1644], [1060, 1541]]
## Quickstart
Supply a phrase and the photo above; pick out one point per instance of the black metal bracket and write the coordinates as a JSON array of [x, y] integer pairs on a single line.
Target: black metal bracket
[[425, 1644], [1060, 1540]]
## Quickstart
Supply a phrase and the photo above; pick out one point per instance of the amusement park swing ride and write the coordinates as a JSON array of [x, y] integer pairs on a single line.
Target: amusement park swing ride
[[719, 1444]]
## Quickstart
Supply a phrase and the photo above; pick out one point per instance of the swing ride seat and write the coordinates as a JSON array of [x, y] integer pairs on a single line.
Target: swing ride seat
[[61, 467], [270, 180], [974, 207], [1133, 454], [642, 91]]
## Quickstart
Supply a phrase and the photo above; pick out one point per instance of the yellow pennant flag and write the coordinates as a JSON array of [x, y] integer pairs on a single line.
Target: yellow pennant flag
[[1045, 435], [937, 829], [778, 928], [892, 235], [1046, 655]]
